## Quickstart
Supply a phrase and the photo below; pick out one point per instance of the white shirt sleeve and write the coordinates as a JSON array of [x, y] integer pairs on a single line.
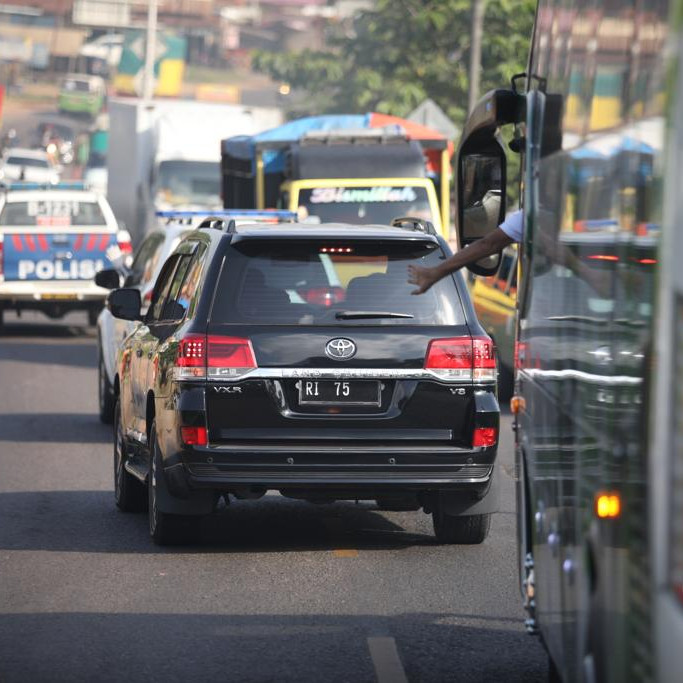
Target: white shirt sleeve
[[512, 226]]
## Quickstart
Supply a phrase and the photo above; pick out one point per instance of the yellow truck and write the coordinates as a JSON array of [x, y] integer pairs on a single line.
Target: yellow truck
[[345, 168]]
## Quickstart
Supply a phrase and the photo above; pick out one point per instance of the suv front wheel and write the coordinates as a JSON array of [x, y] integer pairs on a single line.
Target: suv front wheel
[[166, 528], [128, 491]]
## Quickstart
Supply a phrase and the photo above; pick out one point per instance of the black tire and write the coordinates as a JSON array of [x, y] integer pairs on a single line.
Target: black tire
[[165, 528], [105, 393], [469, 530], [93, 313], [129, 492]]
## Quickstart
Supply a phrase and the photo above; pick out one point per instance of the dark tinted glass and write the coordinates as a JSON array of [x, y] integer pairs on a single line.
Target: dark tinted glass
[[163, 284], [332, 283], [184, 295], [170, 310], [28, 161]]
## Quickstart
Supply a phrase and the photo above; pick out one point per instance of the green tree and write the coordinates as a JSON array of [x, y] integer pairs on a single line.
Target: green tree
[[404, 51]]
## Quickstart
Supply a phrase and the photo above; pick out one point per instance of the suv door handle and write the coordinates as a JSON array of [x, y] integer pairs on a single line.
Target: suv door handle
[[138, 352]]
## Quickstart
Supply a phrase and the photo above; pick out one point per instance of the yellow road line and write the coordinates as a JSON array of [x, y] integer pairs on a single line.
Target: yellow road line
[[345, 552]]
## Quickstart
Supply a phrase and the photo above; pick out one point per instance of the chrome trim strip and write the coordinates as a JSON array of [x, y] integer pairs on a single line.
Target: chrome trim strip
[[135, 435], [588, 377], [348, 373]]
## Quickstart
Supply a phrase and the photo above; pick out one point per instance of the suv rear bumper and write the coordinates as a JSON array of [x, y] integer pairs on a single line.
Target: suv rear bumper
[[409, 468], [211, 476]]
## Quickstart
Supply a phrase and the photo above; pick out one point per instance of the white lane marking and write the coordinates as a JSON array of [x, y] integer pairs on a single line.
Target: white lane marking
[[386, 660]]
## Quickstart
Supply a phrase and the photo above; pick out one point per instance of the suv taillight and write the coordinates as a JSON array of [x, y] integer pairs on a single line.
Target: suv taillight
[[191, 359], [462, 358], [229, 357], [213, 356]]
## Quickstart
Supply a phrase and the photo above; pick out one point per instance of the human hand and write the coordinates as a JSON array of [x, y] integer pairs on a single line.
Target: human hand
[[424, 278]]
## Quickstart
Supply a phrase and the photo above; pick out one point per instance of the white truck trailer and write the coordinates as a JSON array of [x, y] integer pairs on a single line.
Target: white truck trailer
[[166, 154]]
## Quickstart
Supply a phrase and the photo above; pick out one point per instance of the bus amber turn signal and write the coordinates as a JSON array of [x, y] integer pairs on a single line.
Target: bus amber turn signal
[[607, 505]]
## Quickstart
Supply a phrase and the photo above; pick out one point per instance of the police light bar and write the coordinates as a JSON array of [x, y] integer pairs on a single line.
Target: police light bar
[[235, 214], [62, 185]]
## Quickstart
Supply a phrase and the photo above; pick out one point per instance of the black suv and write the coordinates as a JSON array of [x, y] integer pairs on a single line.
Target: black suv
[[294, 358]]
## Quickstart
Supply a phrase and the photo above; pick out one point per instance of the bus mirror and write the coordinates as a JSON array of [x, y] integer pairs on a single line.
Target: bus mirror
[[481, 181], [481, 190]]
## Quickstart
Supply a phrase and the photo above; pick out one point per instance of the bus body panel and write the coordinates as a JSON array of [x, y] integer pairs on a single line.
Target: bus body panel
[[584, 335]]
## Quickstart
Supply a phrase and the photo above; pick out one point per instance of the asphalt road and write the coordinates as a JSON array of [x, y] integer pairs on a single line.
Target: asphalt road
[[277, 590]]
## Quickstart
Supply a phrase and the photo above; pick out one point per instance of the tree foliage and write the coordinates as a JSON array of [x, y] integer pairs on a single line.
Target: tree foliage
[[403, 51]]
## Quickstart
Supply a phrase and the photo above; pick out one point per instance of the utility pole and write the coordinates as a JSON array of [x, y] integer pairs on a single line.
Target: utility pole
[[478, 8], [150, 52]]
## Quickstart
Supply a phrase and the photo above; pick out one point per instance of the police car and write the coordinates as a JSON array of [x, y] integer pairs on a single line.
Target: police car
[[53, 239]]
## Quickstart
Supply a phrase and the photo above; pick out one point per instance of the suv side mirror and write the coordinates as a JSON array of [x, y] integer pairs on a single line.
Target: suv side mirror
[[108, 278], [125, 304], [481, 171]]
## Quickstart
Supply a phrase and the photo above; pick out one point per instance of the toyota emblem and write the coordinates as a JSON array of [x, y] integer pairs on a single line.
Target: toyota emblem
[[340, 349]]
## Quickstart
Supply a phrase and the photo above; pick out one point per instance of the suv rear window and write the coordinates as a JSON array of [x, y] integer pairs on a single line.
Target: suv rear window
[[332, 283]]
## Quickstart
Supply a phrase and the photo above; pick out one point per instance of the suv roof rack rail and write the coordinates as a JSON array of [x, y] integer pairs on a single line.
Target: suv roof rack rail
[[223, 219], [218, 223], [414, 223]]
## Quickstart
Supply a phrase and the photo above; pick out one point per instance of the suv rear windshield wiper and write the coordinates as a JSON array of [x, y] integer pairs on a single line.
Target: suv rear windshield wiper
[[361, 315]]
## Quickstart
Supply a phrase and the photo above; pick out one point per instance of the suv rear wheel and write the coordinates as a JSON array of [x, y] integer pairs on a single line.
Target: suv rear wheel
[[166, 528], [468, 530], [128, 491]]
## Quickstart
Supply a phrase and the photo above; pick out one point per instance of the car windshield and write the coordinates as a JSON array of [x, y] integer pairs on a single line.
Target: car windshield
[[358, 205], [77, 86], [332, 282], [190, 182], [52, 212], [27, 161]]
